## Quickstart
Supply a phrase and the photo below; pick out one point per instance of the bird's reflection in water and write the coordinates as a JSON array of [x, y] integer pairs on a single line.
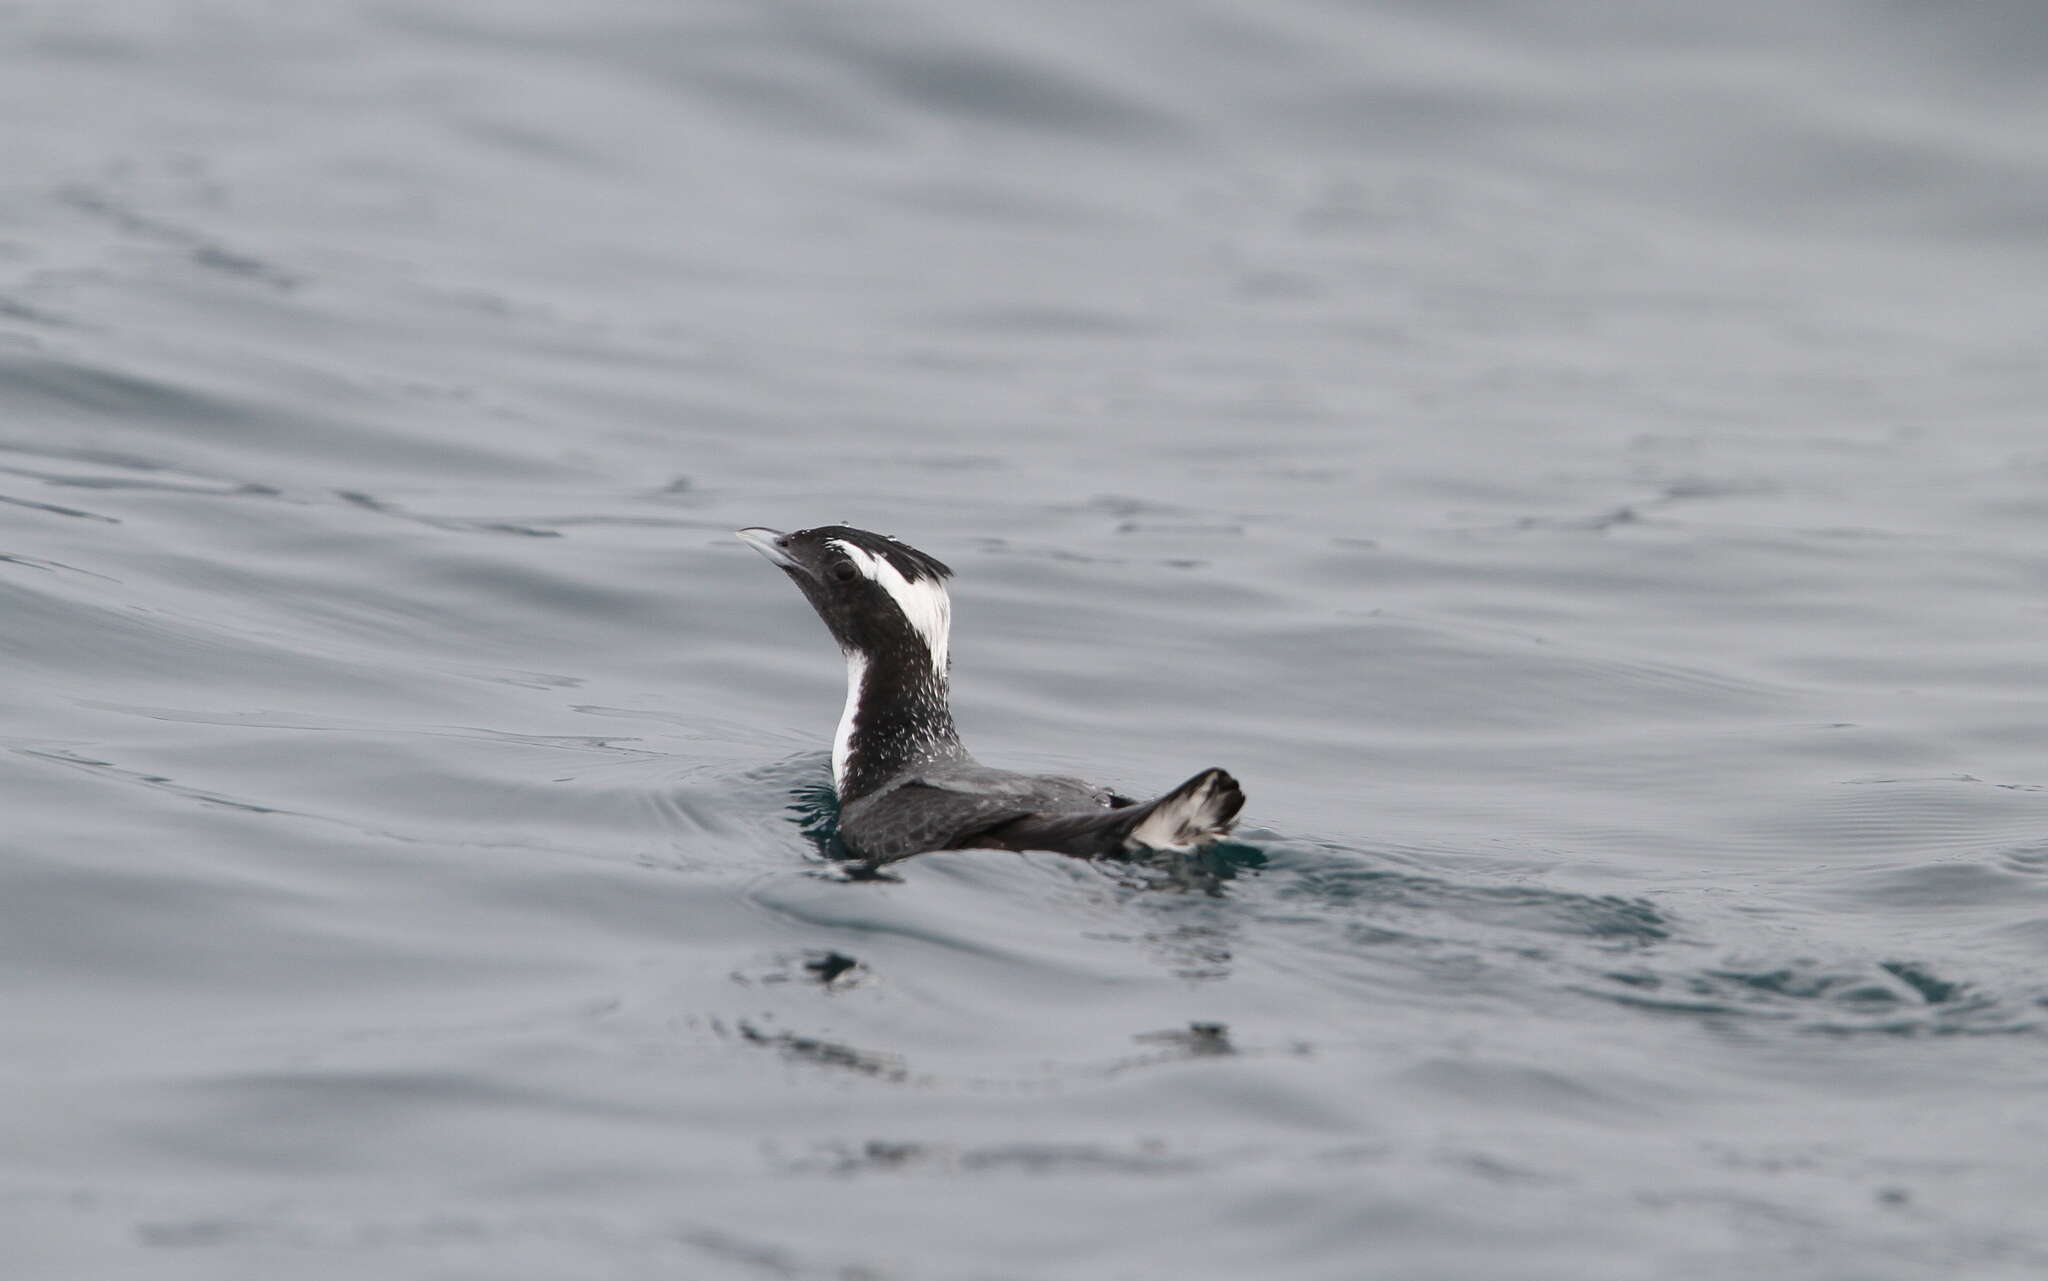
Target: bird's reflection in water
[[1203, 871]]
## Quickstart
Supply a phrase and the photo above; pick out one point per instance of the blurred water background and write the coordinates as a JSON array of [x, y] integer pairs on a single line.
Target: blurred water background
[[1582, 466]]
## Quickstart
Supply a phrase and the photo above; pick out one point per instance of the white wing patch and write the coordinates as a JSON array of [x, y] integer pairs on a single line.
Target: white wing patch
[[842, 742], [924, 602], [1184, 823]]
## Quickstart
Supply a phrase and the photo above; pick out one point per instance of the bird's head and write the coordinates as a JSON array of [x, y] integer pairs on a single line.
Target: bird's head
[[882, 599]]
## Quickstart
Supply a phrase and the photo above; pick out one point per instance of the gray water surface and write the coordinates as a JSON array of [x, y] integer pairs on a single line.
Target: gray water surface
[[1584, 472]]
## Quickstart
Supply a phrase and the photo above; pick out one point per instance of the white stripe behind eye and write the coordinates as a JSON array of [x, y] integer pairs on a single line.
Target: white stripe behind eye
[[924, 602]]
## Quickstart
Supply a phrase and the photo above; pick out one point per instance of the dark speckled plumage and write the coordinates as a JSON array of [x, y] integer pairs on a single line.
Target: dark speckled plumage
[[906, 784]]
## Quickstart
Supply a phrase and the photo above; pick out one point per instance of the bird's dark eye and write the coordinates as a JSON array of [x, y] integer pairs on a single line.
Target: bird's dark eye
[[843, 571]]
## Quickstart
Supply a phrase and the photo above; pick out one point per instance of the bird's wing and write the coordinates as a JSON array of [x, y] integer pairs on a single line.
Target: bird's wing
[[917, 816], [1037, 791]]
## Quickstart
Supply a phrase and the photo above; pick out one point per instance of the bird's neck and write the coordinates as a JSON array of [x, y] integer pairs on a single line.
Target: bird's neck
[[898, 716]]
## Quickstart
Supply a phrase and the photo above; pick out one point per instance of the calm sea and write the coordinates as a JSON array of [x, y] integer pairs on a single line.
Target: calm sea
[[1583, 467]]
